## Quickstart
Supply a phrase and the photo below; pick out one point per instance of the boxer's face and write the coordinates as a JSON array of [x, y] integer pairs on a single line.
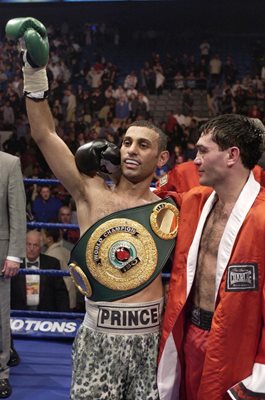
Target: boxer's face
[[140, 154], [210, 161]]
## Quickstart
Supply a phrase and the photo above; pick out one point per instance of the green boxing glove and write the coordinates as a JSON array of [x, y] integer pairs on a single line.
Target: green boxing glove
[[35, 36], [33, 40]]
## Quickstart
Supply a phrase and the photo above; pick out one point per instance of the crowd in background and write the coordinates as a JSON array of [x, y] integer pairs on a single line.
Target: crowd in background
[[93, 97]]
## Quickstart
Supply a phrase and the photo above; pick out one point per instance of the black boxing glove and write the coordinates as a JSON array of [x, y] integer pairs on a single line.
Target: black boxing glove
[[98, 156]]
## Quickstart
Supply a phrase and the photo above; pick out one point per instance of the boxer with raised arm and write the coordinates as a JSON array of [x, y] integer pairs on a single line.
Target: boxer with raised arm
[[126, 238]]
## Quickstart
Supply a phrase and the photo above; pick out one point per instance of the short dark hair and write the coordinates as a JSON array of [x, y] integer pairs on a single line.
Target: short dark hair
[[54, 233], [247, 134], [162, 142]]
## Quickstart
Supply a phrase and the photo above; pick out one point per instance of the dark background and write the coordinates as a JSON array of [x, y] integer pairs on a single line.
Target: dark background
[[188, 17]]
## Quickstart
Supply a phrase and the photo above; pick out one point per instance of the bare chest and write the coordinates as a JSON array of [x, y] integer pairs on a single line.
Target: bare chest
[[90, 213], [107, 207], [204, 286], [212, 233]]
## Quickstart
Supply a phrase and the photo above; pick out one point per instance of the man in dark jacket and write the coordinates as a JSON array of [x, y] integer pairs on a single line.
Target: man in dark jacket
[[38, 292]]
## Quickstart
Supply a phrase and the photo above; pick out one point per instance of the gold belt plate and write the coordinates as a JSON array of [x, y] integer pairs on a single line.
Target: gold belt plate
[[121, 254]]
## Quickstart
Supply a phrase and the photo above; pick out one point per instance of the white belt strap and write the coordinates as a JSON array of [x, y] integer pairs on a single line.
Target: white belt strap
[[124, 318]]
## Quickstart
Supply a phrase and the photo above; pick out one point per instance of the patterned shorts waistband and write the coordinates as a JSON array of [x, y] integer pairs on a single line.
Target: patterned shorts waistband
[[124, 318], [201, 318]]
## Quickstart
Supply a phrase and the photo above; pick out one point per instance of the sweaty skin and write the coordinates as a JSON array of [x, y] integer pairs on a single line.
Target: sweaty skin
[[94, 199], [204, 285], [211, 162]]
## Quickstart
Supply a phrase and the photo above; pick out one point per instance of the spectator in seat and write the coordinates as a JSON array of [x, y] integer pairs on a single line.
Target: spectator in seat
[[45, 207], [38, 292], [69, 236], [51, 239]]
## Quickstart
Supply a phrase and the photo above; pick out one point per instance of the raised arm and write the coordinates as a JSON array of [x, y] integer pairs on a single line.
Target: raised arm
[[91, 159], [57, 154], [98, 156], [33, 42]]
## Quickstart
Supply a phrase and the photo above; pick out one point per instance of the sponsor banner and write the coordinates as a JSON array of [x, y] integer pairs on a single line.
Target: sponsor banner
[[44, 327]]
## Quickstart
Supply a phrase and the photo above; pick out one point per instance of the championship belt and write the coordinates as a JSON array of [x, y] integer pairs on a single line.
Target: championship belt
[[125, 251]]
